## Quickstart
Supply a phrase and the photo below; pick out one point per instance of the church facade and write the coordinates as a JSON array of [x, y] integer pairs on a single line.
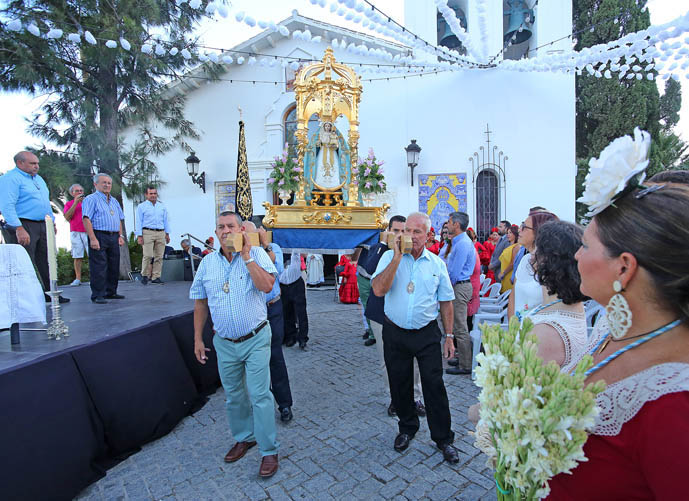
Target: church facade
[[493, 142]]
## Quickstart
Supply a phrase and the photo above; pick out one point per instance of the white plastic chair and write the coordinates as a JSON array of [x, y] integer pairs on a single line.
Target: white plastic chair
[[491, 301], [484, 287], [475, 336], [493, 291]]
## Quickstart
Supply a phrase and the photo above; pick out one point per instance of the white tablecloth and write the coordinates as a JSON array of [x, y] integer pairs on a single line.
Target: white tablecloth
[[21, 295]]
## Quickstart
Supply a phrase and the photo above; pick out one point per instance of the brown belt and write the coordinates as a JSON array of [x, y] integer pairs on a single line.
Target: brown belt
[[250, 334], [273, 301]]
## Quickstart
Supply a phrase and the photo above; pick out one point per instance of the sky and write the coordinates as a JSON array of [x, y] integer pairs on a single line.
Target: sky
[[221, 32]]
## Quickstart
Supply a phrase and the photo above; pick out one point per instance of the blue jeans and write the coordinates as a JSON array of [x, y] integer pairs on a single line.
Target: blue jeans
[[245, 375]]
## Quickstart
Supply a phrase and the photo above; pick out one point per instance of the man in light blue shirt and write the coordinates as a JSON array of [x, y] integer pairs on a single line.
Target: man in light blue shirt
[[414, 285], [279, 379], [103, 221], [460, 265], [152, 233], [233, 286], [25, 202]]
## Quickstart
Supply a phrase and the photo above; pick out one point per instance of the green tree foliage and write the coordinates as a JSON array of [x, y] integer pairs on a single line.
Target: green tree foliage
[[670, 104], [609, 108], [668, 151]]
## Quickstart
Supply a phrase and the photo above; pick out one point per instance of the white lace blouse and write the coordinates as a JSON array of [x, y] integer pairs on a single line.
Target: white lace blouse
[[621, 400], [570, 325]]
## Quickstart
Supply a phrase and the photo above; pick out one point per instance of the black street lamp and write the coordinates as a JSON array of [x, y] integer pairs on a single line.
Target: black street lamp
[[413, 151], [193, 170]]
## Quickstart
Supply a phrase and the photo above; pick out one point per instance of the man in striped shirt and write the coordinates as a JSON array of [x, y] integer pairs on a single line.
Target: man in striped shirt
[[103, 221], [233, 287]]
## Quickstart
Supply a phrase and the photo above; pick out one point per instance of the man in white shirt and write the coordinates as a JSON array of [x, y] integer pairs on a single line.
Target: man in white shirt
[[293, 293], [153, 233]]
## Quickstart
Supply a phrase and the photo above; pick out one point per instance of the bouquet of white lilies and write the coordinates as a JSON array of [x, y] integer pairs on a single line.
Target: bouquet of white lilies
[[533, 418]]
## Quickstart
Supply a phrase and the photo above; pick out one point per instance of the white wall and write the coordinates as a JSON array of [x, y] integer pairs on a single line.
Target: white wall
[[531, 116]]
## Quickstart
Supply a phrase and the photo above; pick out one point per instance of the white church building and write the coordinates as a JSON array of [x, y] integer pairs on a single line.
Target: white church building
[[504, 140]]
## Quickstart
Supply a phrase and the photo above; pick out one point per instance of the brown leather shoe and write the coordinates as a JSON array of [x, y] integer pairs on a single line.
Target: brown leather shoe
[[238, 450], [269, 465]]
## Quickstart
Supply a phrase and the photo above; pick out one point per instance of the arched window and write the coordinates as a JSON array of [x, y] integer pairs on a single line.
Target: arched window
[[290, 128], [487, 203]]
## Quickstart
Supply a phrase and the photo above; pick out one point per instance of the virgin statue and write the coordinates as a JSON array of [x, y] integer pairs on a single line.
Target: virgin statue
[[327, 162]]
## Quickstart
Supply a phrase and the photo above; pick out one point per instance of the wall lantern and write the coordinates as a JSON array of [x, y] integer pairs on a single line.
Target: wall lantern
[[413, 151], [193, 170]]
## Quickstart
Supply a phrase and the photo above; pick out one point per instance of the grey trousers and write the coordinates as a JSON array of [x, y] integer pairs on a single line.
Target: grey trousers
[[463, 292]]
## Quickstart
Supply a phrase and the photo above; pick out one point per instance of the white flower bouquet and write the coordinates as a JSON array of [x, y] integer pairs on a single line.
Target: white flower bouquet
[[533, 418], [619, 169]]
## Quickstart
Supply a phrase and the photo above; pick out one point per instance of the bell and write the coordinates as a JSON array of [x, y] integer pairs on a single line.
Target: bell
[[449, 39], [517, 29]]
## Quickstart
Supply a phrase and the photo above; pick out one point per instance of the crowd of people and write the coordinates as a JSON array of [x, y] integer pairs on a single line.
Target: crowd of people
[[419, 307]]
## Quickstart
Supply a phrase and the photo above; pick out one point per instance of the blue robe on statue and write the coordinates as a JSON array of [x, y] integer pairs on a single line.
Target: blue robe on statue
[[311, 165]]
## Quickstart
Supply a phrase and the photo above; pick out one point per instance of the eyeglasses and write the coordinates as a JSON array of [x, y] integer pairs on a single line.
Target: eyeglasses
[[524, 227]]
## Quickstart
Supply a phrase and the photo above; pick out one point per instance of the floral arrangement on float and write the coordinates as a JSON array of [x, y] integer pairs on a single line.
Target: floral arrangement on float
[[533, 418], [370, 176], [284, 178]]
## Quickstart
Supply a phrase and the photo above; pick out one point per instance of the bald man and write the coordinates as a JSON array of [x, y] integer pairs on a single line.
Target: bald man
[[25, 202]]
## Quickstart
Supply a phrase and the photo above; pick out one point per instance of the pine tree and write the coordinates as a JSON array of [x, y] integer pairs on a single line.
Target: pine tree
[[670, 104], [96, 91], [609, 108]]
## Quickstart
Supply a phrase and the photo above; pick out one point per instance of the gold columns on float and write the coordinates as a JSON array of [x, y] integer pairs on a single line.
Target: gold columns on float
[[315, 216]]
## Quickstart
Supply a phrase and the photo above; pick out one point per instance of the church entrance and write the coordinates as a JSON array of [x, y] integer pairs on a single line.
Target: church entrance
[[487, 199]]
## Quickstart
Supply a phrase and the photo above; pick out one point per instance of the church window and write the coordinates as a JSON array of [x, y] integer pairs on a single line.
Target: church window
[[290, 128]]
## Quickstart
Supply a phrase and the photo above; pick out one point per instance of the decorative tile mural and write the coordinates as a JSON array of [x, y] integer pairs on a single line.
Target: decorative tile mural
[[441, 194], [225, 194]]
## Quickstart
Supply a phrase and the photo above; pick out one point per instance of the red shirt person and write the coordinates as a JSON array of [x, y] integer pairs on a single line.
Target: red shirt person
[[77, 232]]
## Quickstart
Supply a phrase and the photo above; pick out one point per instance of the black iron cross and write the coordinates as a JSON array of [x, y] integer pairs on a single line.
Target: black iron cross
[[487, 133]]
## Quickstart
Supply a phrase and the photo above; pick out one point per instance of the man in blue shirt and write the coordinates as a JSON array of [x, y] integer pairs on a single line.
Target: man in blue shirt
[[279, 379], [460, 266], [414, 285], [152, 232], [25, 202], [233, 287], [103, 222]]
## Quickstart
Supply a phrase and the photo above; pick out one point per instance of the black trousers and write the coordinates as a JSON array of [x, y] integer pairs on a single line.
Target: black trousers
[[37, 248], [279, 380], [293, 298], [400, 347], [104, 264]]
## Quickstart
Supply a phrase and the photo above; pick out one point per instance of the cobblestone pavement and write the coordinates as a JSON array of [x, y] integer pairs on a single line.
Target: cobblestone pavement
[[339, 445]]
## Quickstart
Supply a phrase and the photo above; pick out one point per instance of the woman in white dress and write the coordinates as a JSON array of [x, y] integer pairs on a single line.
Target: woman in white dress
[[560, 320], [526, 293]]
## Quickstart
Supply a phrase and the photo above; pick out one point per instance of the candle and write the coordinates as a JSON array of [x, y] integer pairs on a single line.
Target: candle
[[52, 250]]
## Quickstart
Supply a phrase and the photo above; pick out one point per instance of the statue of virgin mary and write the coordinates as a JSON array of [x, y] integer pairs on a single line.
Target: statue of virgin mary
[[327, 161]]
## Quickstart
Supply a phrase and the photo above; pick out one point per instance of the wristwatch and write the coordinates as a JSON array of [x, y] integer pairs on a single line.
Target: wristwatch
[[449, 335], [250, 260], [268, 248]]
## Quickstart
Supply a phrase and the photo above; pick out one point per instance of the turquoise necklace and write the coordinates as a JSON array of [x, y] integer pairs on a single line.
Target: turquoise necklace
[[613, 356], [520, 314]]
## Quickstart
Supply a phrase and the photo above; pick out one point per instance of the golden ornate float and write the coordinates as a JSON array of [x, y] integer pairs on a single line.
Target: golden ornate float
[[330, 90]]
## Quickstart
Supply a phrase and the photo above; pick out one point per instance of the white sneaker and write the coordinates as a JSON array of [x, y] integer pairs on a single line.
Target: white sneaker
[[76, 282]]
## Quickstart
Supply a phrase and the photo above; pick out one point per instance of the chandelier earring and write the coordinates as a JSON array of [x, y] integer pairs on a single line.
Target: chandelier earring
[[618, 313]]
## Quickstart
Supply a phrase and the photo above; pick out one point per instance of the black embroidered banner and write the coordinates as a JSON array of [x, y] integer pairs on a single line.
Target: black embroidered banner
[[243, 202]]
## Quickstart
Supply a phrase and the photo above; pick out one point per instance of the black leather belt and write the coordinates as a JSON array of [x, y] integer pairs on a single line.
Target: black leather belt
[[250, 334], [152, 229], [462, 282], [108, 232]]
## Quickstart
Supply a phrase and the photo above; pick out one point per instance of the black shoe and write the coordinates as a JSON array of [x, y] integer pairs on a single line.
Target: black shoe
[[420, 408], [369, 342], [286, 415], [302, 345], [114, 296], [457, 371], [290, 342], [454, 362], [99, 300], [365, 336], [402, 442], [391, 410], [62, 300], [144, 280], [449, 453], [157, 281]]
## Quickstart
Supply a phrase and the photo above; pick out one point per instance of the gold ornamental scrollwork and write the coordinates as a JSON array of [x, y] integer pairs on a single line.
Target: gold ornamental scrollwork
[[322, 217]]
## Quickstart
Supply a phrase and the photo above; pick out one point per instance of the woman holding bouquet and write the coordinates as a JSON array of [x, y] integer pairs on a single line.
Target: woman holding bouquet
[[639, 445]]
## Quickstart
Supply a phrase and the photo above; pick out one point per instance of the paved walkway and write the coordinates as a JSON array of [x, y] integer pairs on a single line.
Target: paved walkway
[[339, 445]]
